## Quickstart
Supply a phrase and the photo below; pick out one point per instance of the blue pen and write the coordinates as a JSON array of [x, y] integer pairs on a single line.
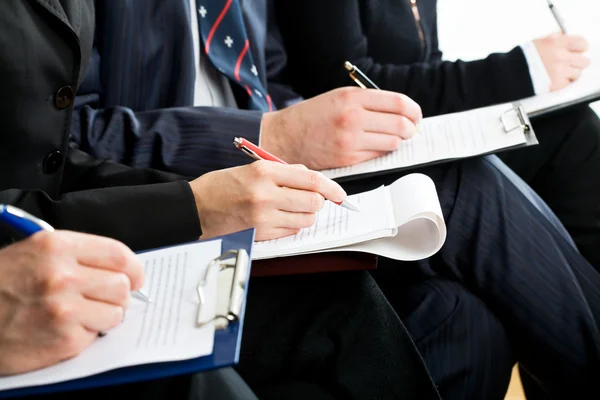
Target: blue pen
[[27, 224], [22, 221]]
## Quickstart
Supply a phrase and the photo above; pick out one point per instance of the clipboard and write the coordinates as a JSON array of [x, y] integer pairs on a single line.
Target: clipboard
[[521, 121], [227, 339], [563, 107]]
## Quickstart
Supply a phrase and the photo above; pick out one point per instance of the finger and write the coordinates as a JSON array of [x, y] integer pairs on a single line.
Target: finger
[[299, 166], [372, 141], [105, 286], [105, 253], [76, 339], [98, 316], [274, 233], [295, 178], [392, 124], [383, 101], [580, 61], [293, 200], [574, 74], [294, 220], [577, 44]]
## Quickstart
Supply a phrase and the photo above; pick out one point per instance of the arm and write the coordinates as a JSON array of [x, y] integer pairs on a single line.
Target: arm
[[99, 198], [318, 50], [282, 94], [184, 140]]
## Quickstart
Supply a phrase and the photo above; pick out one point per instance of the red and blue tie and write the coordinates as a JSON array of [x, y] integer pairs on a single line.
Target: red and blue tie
[[227, 46]]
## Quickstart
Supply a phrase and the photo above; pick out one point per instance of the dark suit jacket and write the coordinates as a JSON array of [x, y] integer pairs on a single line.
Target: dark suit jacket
[[381, 37], [45, 46], [135, 104]]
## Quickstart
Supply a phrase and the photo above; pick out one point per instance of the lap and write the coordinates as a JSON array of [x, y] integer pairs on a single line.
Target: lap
[[463, 344], [321, 336]]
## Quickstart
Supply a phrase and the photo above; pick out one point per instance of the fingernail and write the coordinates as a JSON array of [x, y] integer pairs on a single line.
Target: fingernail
[[342, 194]]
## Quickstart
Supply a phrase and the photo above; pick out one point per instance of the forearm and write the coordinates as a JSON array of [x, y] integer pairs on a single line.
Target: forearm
[[317, 53], [188, 140]]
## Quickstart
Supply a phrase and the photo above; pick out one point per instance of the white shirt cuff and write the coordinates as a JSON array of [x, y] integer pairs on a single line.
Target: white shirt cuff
[[539, 76]]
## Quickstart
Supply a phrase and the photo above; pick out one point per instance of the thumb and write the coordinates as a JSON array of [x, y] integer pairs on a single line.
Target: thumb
[[299, 166]]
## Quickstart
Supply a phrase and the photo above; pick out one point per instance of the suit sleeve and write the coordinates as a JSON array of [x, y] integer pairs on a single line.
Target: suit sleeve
[[317, 51], [186, 140], [283, 95], [143, 208]]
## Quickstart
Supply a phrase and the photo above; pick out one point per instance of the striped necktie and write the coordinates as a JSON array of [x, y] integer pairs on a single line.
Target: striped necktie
[[228, 48]]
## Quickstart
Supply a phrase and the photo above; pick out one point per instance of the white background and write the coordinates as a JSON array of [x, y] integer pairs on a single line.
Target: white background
[[472, 29]]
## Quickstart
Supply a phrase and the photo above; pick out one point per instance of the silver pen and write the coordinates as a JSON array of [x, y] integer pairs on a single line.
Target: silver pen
[[557, 16]]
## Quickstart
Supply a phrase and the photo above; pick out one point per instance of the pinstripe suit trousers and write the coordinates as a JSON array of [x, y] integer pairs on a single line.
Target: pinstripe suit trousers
[[502, 250]]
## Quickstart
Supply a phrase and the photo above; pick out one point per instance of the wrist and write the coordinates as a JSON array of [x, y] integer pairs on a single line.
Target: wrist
[[200, 186], [540, 79], [268, 139]]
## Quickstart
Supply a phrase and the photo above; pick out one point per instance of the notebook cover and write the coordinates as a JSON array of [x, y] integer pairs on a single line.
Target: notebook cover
[[314, 263]]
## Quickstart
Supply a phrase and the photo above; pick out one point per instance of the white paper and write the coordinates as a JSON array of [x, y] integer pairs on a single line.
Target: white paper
[[337, 226], [444, 137], [162, 330], [403, 221], [421, 228], [588, 84]]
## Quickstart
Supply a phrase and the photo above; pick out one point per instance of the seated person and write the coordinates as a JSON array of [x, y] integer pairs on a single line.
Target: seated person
[[82, 286], [400, 53], [496, 238], [145, 208]]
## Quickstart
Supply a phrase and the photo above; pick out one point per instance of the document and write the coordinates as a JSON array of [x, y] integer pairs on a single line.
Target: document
[[402, 221], [585, 89], [447, 137], [162, 330]]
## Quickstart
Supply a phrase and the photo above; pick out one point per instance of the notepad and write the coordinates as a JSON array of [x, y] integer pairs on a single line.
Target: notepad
[[450, 137], [584, 90], [402, 221], [162, 330]]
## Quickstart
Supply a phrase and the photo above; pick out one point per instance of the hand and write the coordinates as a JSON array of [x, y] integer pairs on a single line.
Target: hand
[[58, 290], [563, 58], [339, 128], [276, 199]]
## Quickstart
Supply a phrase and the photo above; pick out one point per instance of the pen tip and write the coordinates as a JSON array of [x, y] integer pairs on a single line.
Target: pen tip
[[348, 66], [349, 205]]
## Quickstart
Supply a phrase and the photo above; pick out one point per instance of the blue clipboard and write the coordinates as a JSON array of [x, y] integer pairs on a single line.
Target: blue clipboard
[[226, 350]]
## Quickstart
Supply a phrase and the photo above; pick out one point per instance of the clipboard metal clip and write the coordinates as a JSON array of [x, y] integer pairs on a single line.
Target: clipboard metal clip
[[522, 122], [229, 306]]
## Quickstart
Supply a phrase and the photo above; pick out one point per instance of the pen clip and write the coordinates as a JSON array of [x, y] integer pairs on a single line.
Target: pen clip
[[239, 143], [358, 82], [250, 152]]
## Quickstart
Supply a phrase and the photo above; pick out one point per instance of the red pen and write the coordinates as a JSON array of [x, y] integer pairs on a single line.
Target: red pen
[[259, 154]]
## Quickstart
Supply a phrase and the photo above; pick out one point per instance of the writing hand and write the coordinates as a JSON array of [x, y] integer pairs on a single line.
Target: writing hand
[[276, 199], [563, 58], [58, 291], [339, 128]]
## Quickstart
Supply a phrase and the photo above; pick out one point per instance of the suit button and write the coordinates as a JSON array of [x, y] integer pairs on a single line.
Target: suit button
[[53, 162], [64, 97]]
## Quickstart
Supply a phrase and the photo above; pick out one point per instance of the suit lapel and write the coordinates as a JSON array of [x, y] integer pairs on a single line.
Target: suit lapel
[[55, 8]]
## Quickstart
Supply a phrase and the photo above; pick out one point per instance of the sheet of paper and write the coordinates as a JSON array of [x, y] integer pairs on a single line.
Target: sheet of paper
[[588, 84], [162, 330], [418, 214], [337, 226], [445, 137]]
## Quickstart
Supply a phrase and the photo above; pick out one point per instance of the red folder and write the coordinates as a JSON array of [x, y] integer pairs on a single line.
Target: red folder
[[314, 263]]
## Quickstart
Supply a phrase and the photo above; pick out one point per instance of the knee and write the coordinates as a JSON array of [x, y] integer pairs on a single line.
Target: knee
[[449, 314]]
